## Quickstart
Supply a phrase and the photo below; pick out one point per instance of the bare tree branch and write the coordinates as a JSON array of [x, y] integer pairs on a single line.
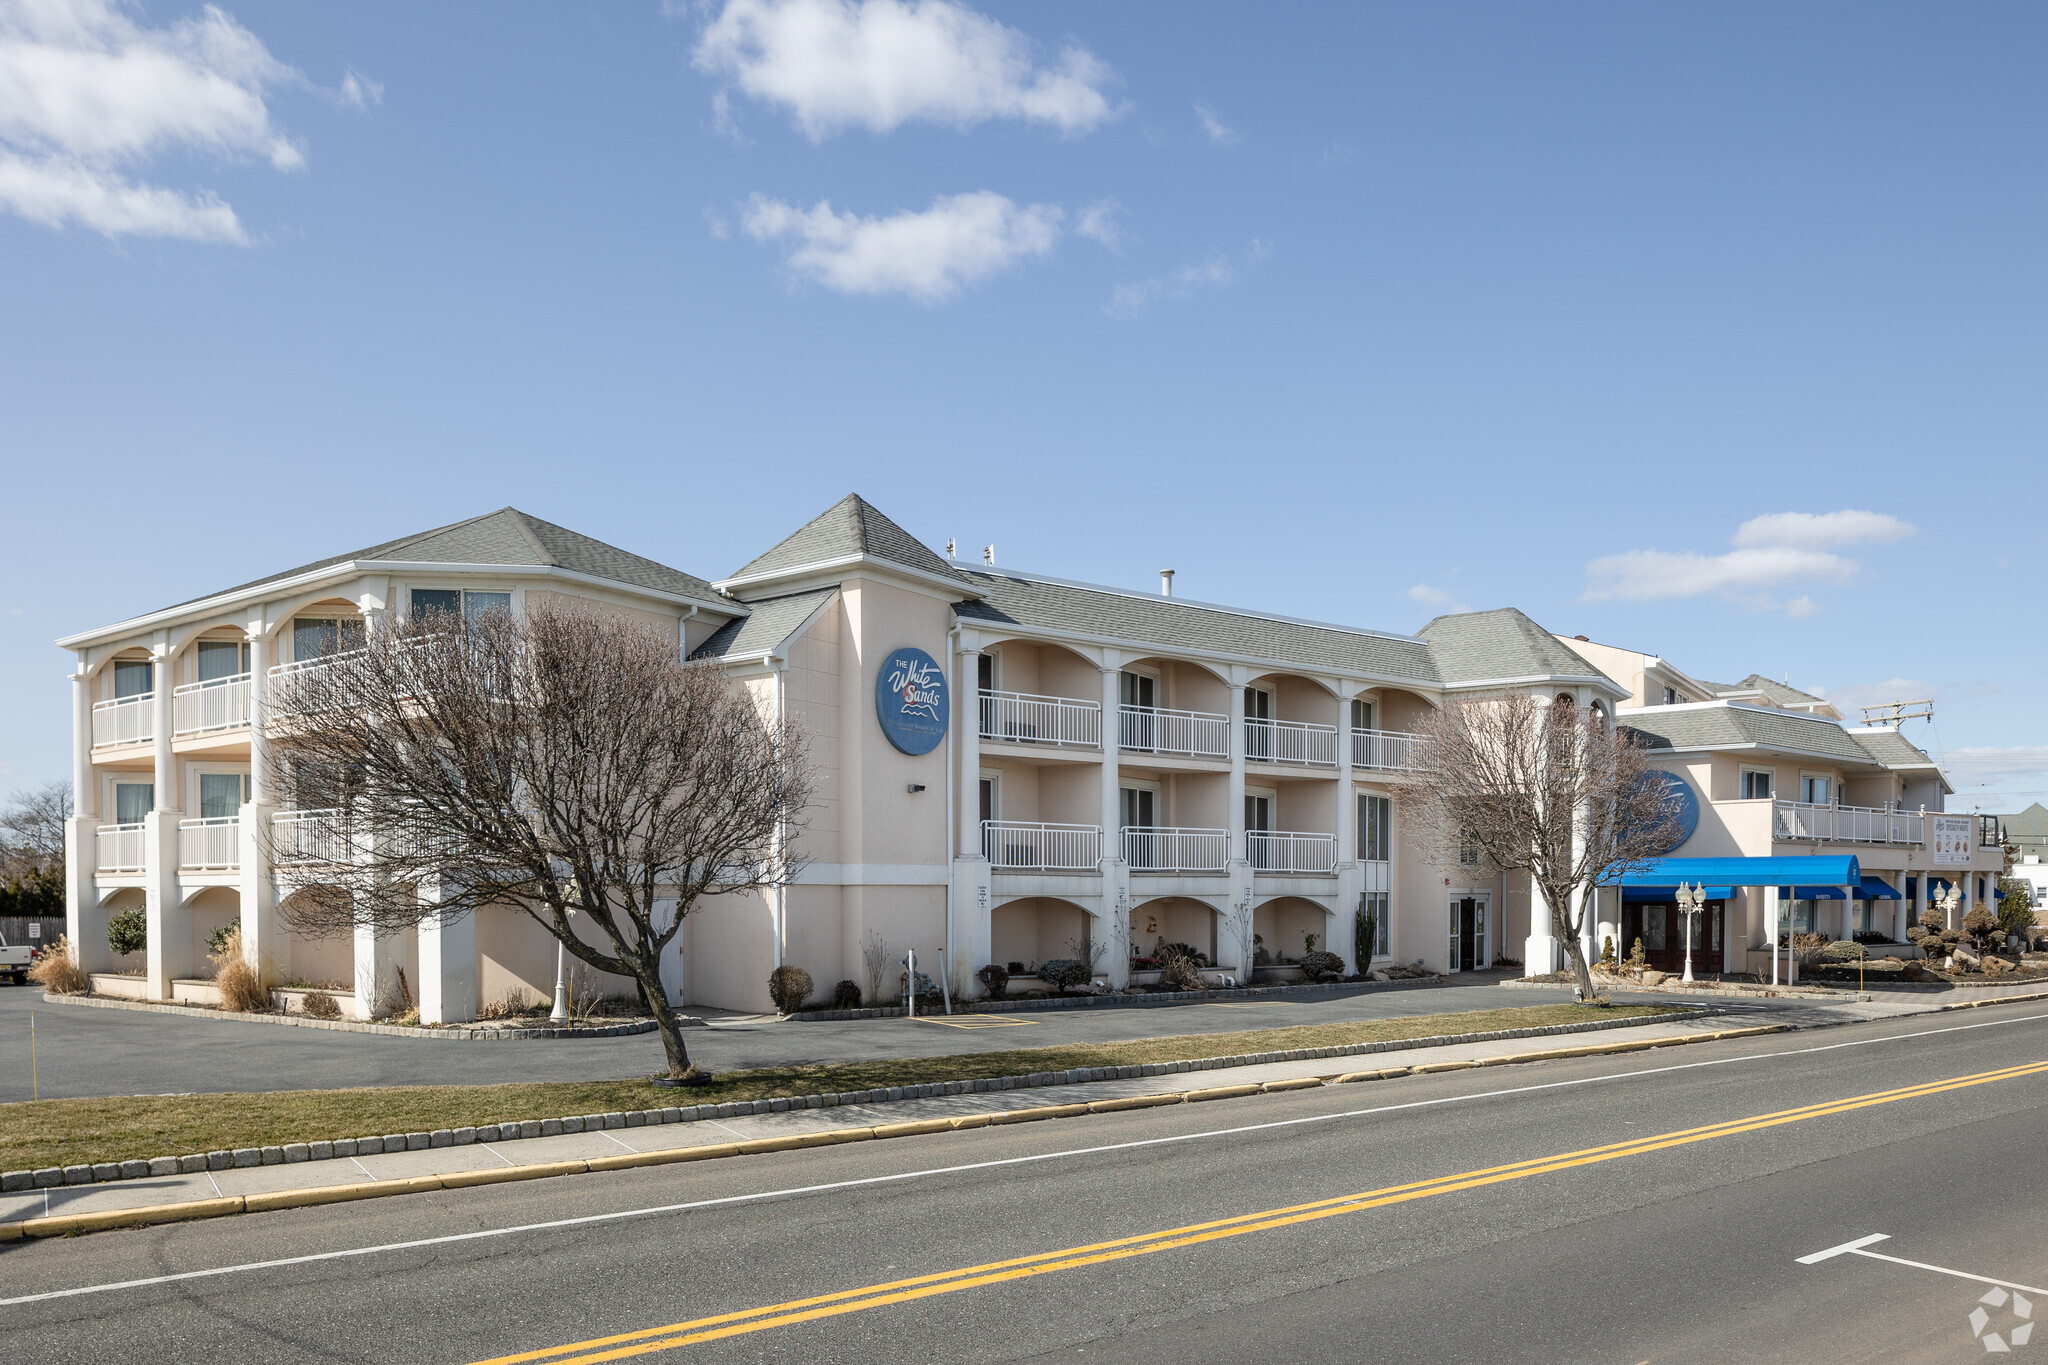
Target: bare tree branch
[[569, 761]]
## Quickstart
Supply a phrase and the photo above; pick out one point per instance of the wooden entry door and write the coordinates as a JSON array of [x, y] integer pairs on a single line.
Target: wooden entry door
[[1662, 930]]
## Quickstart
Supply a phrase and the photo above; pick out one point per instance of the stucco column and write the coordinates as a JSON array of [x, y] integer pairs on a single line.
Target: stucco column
[[1902, 912], [447, 964], [1350, 884], [1112, 792], [1114, 924], [84, 791], [1235, 799], [265, 945], [969, 729], [377, 960], [85, 922], [170, 925]]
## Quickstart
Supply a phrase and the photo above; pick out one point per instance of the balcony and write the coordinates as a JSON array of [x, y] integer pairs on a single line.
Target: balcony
[[120, 849], [125, 720], [1178, 734], [213, 844], [1795, 821], [1291, 742], [1285, 851], [1156, 848], [204, 707], [1020, 846], [1390, 750], [1019, 718], [284, 680], [299, 837]]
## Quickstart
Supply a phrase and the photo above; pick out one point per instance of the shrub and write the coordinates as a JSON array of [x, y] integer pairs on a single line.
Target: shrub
[[846, 995], [320, 1005], [128, 932], [789, 987], [995, 980], [1180, 968], [1365, 933], [56, 972], [1315, 966], [241, 985], [217, 941], [1876, 936], [1063, 973], [1981, 925]]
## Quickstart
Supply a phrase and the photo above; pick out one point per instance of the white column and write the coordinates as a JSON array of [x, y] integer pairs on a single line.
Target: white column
[[1771, 917], [377, 960], [969, 729], [1901, 912], [672, 960], [170, 925], [265, 945], [1115, 921], [84, 791], [1337, 938], [1235, 799], [447, 965], [85, 922], [1111, 792]]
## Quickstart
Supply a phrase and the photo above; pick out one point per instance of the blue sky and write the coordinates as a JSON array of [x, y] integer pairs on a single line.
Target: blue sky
[[1349, 312]]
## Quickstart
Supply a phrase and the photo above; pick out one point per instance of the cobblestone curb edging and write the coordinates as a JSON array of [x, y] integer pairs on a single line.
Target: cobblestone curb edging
[[460, 1035], [1117, 1000], [60, 1225], [49, 1177], [1738, 991]]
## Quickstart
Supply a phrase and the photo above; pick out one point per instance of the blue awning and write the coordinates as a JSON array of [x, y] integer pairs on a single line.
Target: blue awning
[[1831, 870], [1652, 895], [1875, 889], [1810, 893]]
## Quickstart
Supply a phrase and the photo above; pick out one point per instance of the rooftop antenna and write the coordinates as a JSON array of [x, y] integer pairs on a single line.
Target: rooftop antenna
[[1166, 582], [988, 553], [949, 548], [1893, 713]]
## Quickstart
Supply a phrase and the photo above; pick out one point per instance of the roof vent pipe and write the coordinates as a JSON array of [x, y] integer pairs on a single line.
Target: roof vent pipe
[[1166, 582]]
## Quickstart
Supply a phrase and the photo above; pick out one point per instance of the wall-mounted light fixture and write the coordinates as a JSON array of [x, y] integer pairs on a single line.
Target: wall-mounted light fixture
[[916, 787]]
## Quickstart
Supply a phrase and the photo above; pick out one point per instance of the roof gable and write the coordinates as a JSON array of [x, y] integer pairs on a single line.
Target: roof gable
[[1482, 646], [849, 531]]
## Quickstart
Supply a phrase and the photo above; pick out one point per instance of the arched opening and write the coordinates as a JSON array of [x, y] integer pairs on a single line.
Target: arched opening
[[1171, 919], [1283, 927], [1035, 929]]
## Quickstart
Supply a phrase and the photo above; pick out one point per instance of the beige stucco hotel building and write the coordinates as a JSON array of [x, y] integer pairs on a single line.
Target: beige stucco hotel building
[[1011, 768]]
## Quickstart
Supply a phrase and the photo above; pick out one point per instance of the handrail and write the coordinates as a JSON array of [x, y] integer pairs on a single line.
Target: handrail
[[1167, 848], [1290, 741], [211, 843], [308, 836], [1810, 820], [1024, 718], [124, 720], [1290, 851], [1030, 846], [1384, 749], [215, 704], [118, 848], [1185, 734]]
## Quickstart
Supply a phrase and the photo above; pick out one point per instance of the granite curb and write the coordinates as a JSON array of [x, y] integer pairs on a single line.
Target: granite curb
[[461, 1035], [59, 1225], [50, 1177]]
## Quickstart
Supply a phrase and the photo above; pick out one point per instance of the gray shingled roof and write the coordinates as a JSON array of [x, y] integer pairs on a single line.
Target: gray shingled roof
[[765, 629], [1891, 748], [508, 536], [1476, 646], [848, 528], [1013, 599], [1779, 693], [1725, 725]]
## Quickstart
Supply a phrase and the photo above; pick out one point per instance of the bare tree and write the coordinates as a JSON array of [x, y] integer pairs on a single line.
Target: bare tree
[[32, 831], [569, 761], [1546, 788]]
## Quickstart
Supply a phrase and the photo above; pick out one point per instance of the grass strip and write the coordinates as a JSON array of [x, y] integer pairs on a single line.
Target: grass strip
[[129, 1127]]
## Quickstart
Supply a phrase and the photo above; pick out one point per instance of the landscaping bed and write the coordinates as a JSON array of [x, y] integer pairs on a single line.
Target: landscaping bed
[[58, 1133]]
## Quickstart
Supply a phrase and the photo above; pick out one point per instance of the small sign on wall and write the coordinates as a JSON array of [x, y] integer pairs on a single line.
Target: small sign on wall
[[1953, 837], [35, 929]]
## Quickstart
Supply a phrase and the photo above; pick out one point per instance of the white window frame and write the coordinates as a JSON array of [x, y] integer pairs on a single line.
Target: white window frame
[[1770, 776], [1834, 789], [193, 771], [994, 655], [110, 799]]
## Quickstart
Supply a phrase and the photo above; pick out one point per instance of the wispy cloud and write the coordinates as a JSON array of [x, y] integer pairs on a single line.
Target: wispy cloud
[[877, 64], [1220, 134], [359, 91], [928, 256], [1102, 221], [1128, 301], [1439, 598], [1984, 775], [1778, 550], [88, 94]]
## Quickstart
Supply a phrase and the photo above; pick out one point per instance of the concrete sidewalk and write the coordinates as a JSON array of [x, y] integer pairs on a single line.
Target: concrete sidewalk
[[480, 1160]]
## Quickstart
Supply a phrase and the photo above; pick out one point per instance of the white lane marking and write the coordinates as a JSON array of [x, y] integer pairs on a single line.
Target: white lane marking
[[1815, 1258], [901, 1176], [1856, 1248]]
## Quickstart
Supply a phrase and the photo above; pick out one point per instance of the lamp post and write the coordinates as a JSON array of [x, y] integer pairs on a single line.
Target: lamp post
[[559, 1015], [1691, 900]]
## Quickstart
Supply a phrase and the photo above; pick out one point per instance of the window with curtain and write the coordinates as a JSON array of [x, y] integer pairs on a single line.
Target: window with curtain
[[1375, 829], [131, 677], [316, 637], [133, 800], [222, 659], [220, 794]]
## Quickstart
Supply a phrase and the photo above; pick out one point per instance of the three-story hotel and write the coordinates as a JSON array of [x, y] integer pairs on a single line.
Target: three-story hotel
[[1010, 768]]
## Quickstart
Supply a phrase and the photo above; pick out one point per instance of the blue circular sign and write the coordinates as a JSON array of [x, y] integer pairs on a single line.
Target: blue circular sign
[[912, 700], [1680, 800]]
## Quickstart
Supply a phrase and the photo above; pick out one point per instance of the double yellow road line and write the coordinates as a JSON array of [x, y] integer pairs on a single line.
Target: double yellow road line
[[676, 1334]]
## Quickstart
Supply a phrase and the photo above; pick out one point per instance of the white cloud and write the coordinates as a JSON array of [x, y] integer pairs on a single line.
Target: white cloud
[[1099, 222], [1823, 531], [877, 64], [87, 93], [960, 240], [1850, 698], [1220, 133], [359, 91], [1982, 776], [1127, 301], [1779, 550], [1439, 598]]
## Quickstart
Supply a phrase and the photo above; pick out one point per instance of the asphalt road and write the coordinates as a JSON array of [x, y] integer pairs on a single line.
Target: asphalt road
[[1682, 1247], [84, 1051]]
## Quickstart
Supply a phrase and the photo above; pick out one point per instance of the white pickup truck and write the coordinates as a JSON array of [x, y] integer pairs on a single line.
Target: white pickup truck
[[14, 961]]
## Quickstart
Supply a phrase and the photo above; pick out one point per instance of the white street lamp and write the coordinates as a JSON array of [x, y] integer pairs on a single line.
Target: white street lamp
[[1691, 900]]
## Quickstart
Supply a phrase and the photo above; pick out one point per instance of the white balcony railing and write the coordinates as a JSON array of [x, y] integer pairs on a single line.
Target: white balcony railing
[[1184, 734], [1389, 749], [1290, 741], [1282, 851], [285, 680], [1017, 844], [127, 720], [308, 836], [1156, 848], [1802, 820], [1019, 718], [120, 848], [217, 704], [213, 844]]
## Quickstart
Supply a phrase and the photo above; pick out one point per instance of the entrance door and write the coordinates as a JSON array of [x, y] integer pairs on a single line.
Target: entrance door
[[1468, 933], [1662, 931]]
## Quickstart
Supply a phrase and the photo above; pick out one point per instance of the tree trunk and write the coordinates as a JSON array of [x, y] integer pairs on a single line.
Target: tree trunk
[[1574, 951], [665, 1019]]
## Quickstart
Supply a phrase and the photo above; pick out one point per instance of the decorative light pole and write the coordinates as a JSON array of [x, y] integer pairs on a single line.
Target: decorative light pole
[[1691, 900]]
